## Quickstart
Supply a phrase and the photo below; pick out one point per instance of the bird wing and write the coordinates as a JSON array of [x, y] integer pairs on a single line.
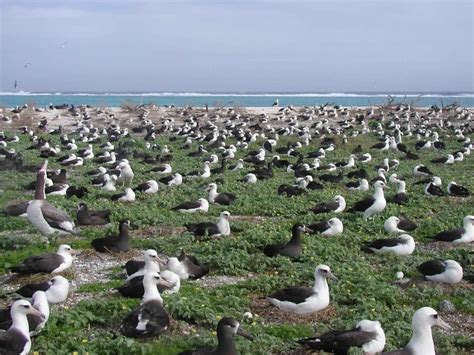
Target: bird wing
[[432, 267], [100, 213], [29, 289], [273, 249], [150, 314], [293, 294], [54, 216], [12, 342], [194, 268], [319, 227], [362, 205], [449, 235], [43, 263], [338, 341], [132, 288], [400, 198], [143, 187], [380, 243], [225, 198], [187, 205], [165, 180], [201, 229], [132, 266], [328, 206], [406, 225]]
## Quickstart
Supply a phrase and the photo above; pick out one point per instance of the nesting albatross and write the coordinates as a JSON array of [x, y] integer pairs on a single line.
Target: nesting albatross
[[226, 328], [448, 271], [48, 263], [304, 300], [372, 205], [367, 335], [465, 234], [150, 317], [221, 228], [292, 248]]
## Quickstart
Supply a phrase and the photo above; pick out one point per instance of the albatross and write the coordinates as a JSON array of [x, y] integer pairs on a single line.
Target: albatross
[[464, 234], [221, 228], [226, 329], [402, 245], [367, 335], [336, 205], [186, 266], [35, 322], [151, 262], [47, 263], [399, 225], [114, 243], [200, 205], [448, 271], [85, 216], [457, 190], [304, 300], [421, 341], [56, 289], [372, 205], [16, 340], [43, 215], [329, 228], [150, 318], [292, 248], [223, 198]]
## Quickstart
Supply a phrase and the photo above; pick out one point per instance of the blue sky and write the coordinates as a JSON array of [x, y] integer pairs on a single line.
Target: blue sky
[[194, 45]]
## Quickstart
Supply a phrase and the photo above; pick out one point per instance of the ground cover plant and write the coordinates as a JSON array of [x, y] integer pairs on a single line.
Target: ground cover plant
[[240, 274]]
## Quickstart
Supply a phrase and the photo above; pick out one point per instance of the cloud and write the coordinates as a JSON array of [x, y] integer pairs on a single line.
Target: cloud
[[236, 45]]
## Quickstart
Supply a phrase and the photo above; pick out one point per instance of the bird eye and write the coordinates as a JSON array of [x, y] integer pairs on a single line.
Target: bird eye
[[435, 316], [26, 306]]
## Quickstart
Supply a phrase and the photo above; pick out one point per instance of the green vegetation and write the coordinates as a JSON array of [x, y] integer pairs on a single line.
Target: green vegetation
[[365, 288]]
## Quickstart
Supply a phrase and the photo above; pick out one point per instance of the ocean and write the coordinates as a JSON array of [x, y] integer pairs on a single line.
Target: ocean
[[12, 99]]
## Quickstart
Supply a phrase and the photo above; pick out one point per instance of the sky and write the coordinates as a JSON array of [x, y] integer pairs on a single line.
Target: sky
[[237, 46]]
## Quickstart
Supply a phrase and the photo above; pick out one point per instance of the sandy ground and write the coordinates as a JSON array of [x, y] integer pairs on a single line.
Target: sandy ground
[[129, 117]]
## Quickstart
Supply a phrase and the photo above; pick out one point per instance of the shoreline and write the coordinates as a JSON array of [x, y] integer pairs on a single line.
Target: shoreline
[[130, 116], [236, 101]]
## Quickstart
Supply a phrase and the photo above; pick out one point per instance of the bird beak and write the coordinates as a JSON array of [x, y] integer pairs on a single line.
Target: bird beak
[[165, 283], [307, 229], [442, 324], [332, 277], [44, 167], [37, 313], [241, 332], [162, 259]]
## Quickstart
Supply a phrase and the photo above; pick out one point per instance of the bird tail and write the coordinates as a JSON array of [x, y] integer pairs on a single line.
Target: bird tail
[[366, 249]]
